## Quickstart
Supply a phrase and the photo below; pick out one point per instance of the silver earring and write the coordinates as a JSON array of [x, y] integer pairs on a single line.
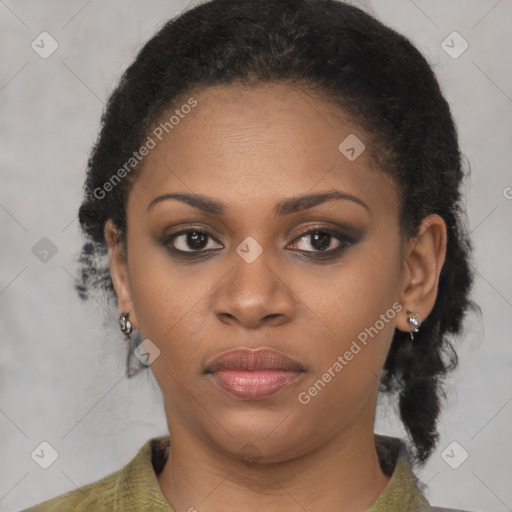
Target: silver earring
[[412, 318], [124, 324]]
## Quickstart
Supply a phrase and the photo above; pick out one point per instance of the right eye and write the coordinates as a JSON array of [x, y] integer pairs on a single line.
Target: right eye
[[192, 241]]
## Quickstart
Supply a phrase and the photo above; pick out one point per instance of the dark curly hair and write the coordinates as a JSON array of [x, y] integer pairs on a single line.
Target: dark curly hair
[[377, 78]]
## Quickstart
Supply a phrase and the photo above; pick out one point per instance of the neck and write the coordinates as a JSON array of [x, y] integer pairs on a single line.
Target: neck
[[343, 474]]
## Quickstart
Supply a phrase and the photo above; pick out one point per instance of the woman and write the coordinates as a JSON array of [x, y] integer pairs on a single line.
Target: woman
[[277, 185]]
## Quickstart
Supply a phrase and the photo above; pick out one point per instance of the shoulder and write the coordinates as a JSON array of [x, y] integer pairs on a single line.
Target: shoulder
[[98, 495], [404, 492], [133, 487]]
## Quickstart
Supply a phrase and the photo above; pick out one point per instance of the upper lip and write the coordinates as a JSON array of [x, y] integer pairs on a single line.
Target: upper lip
[[253, 359]]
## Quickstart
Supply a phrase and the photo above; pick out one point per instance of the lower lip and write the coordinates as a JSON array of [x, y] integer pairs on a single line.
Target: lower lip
[[254, 384]]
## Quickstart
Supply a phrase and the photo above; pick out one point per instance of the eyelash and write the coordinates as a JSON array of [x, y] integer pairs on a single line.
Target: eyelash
[[344, 240]]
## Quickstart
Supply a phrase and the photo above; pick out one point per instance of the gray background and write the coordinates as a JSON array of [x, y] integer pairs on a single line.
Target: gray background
[[62, 362]]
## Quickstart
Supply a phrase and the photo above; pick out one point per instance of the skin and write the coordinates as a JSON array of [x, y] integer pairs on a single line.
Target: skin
[[250, 148]]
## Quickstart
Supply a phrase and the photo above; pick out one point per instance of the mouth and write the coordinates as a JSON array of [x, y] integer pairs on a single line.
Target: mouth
[[254, 374]]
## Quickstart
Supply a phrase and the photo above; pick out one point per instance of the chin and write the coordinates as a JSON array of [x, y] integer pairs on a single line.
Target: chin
[[266, 440]]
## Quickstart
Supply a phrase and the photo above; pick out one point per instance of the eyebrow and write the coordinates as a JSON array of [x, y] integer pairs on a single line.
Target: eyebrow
[[282, 208]]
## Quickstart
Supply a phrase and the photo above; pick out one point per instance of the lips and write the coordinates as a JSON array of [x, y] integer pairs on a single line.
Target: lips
[[260, 359], [254, 374]]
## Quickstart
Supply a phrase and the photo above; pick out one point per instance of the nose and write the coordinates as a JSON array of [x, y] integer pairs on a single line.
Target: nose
[[254, 295]]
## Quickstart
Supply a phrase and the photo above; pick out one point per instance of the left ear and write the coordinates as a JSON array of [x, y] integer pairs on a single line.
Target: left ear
[[424, 257]]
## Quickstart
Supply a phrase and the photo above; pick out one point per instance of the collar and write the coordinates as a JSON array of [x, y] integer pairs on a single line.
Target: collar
[[137, 486], [402, 494]]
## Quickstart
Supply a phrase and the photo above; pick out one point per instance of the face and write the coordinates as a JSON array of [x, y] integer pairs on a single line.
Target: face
[[321, 281]]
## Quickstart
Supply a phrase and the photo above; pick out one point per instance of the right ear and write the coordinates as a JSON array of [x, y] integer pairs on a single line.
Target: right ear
[[119, 271]]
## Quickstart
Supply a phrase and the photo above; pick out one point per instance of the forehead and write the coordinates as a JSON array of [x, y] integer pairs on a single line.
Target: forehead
[[245, 144]]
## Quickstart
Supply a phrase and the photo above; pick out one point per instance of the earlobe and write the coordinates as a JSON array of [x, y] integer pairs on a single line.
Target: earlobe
[[424, 258], [119, 270]]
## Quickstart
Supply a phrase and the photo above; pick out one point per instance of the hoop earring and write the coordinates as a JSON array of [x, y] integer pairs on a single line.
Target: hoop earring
[[124, 324], [412, 318]]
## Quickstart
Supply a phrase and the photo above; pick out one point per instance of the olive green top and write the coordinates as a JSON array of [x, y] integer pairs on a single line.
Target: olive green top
[[135, 487]]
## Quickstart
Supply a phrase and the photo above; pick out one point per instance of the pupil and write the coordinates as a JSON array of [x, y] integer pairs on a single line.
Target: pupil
[[321, 241], [196, 240]]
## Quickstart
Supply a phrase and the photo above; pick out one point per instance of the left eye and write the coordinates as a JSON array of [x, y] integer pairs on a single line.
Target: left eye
[[320, 240]]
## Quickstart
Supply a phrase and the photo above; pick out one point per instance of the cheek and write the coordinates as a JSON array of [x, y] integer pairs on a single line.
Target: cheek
[[357, 291], [358, 305], [158, 297], [171, 304]]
